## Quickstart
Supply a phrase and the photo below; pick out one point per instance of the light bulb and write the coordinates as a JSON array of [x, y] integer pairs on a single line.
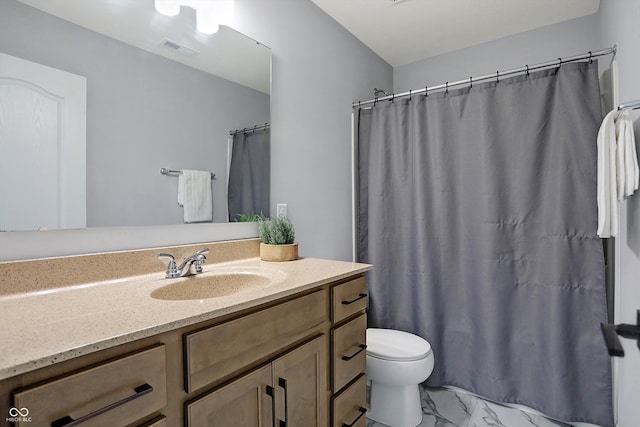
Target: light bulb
[[206, 20], [224, 11], [167, 7]]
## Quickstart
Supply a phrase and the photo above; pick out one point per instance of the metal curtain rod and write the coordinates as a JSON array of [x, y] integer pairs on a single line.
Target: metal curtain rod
[[496, 75], [252, 129], [169, 172], [634, 105]]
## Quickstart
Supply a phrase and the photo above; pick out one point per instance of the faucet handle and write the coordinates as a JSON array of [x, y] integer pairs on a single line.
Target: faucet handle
[[202, 252], [172, 268], [200, 259]]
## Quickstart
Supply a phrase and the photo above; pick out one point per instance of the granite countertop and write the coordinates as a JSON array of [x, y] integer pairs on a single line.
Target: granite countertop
[[53, 325]]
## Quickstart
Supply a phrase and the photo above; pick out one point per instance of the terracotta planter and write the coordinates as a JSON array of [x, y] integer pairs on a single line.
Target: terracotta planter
[[278, 252]]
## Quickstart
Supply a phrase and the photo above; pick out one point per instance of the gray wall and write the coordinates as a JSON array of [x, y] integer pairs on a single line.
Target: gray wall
[[144, 112], [560, 40], [619, 25], [319, 69]]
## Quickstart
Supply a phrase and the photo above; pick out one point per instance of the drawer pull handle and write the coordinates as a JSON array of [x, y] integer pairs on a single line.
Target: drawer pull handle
[[68, 421], [361, 346], [362, 412], [283, 383], [272, 392], [360, 296]]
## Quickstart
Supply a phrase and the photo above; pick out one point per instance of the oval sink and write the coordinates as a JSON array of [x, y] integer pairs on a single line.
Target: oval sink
[[217, 283]]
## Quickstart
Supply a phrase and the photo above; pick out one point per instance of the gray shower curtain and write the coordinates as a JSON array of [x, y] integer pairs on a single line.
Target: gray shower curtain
[[477, 208], [249, 174]]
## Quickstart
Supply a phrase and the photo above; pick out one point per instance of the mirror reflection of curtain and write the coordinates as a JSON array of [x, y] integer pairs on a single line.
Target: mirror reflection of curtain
[[249, 174]]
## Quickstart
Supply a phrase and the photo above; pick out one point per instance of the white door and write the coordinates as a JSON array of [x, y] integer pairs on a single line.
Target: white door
[[42, 146]]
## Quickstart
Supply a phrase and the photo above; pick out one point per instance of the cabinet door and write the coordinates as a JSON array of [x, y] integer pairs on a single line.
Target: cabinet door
[[243, 402], [300, 380]]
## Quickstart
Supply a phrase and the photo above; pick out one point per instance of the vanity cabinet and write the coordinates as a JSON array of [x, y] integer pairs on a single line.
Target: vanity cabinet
[[289, 391], [297, 360], [216, 352], [348, 353]]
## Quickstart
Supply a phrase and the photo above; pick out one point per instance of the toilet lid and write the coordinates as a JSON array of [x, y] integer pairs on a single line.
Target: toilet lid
[[390, 344]]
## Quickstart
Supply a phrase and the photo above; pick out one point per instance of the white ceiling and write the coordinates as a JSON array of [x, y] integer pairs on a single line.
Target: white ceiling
[[411, 30], [227, 53]]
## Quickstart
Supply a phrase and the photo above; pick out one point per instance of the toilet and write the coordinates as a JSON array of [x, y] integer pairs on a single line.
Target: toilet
[[397, 362]]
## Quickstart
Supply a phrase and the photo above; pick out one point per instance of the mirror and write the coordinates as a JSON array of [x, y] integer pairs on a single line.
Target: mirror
[[158, 95]]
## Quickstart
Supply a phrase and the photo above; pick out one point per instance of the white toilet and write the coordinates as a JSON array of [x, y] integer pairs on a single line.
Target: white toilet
[[396, 363]]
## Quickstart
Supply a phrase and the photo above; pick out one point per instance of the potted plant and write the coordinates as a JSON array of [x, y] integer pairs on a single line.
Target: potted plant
[[277, 235]]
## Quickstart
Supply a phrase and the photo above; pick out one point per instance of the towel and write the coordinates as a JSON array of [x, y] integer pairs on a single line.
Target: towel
[[607, 178], [618, 172], [627, 161], [194, 194]]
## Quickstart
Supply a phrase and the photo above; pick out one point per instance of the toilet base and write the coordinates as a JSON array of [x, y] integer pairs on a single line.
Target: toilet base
[[396, 406]]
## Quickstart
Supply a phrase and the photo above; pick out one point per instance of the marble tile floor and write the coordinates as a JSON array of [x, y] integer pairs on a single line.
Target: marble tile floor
[[443, 407]]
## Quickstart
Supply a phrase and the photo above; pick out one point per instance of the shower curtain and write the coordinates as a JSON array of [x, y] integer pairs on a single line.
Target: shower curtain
[[249, 174], [477, 208]]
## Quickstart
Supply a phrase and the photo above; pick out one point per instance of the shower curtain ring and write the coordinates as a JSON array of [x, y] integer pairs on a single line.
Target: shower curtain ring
[[559, 62], [446, 91], [471, 82], [426, 91], [409, 94], [497, 76], [590, 57]]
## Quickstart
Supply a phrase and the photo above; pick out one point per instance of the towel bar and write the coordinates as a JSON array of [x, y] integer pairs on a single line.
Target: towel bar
[[611, 333], [169, 172]]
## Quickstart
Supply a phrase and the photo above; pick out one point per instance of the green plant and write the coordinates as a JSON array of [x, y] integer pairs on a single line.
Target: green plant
[[276, 231], [250, 218]]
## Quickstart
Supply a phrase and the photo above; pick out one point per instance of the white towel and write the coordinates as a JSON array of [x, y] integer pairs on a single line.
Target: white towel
[[618, 171], [607, 184], [627, 160], [194, 194]]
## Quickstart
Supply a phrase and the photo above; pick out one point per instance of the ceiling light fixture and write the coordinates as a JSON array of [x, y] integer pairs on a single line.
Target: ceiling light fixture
[[210, 14]]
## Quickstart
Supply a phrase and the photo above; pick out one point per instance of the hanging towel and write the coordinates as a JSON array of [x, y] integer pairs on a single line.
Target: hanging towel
[[627, 161], [607, 179], [194, 194], [618, 172]]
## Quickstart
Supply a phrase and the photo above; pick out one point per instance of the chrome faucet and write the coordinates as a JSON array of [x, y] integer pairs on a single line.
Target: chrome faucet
[[189, 267]]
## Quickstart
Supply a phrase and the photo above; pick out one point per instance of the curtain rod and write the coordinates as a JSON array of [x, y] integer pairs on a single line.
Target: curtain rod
[[252, 129], [557, 62], [634, 105]]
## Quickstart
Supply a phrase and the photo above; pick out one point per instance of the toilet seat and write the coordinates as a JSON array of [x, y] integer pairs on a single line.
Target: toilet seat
[[390, 344]]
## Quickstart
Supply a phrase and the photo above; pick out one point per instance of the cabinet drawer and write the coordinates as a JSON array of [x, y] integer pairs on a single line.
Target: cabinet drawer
[[349, 407], [117, 392], [349, 354], [348, 298], [216, 352]]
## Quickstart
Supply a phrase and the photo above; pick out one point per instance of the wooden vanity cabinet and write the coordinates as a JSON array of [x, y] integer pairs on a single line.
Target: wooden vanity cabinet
[[283, 362], [289, 391], [348, 353]]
